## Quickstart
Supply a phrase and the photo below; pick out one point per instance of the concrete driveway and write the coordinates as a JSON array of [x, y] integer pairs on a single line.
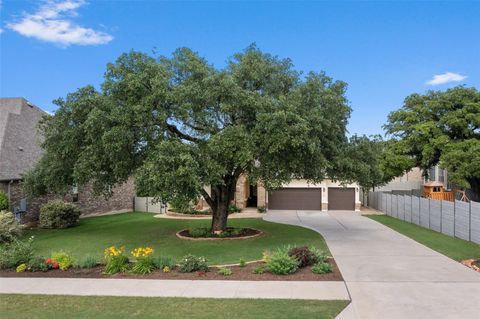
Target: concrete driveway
[[387, 274]]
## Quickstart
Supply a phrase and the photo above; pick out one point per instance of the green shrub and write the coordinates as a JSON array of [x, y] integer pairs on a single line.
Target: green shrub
[[320, 255], [37, 263], [191, 263], [258, 270], [224, 271], [88, 261], [242, 262], [303, 255], [21, 268], [261, 209], [233, 209], [199, 232], [181, 206], [3, 201], [280, 263], [59, 214], [15, 253], [321, 268], [116, 264], [161, 262], [63, 259], [9, 228], [115, 260], [143, 265]]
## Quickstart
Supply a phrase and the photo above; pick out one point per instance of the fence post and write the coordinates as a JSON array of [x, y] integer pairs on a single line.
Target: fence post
[[411, 208], [429, 213], [441, 216], [404, 207], [454, 215], [470, 221]]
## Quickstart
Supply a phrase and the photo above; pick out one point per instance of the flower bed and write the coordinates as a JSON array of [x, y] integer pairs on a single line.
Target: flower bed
[[284, 263], [238, 273]]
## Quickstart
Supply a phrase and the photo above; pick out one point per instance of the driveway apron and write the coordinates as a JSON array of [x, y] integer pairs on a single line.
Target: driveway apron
[[390, 275]]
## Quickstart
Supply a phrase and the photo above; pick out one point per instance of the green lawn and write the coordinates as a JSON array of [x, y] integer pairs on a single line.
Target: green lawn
[[43, 306], [94, 234], [454, 248]]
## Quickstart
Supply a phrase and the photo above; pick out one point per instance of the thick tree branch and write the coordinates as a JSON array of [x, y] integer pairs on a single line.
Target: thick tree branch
[[207, 198], [174, 130]]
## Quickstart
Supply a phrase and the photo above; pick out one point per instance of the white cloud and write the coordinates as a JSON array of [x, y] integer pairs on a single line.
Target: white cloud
[[52, 22], [446, 77]]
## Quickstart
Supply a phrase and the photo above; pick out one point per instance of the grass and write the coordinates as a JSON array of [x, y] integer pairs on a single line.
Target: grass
[[94, 234], [42, 306], [455, 248]]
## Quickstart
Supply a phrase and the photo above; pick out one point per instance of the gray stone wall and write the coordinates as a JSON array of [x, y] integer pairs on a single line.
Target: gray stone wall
[[122, 199]]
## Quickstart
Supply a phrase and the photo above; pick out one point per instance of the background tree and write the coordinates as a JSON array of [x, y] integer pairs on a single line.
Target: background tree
[[370, 162], [440, 128], [179, 124]]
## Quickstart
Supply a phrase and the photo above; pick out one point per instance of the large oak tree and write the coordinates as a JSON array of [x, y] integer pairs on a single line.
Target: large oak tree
[[179, 124], [440, 128]]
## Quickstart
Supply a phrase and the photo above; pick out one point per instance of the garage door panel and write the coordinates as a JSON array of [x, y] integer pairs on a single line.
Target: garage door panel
[[341, 198], [295, 199]]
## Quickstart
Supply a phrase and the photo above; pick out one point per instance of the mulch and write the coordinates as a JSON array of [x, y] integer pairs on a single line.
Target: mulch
[[246, 233], [239, 273]]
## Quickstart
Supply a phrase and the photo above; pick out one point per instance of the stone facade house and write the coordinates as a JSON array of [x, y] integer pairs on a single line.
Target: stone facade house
[[297, 195], [20, 150]]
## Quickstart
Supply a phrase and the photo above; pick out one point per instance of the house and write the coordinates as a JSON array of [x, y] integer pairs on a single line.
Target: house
[[20, 150], [410, 183], [297, 195]]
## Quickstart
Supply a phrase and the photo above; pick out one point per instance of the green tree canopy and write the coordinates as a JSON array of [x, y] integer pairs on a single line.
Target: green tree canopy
[[440, 128], [370, 162], [179, 124]]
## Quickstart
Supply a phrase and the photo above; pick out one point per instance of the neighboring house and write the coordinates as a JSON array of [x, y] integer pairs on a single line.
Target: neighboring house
[[20, 150], [409, 183], [297, 195]]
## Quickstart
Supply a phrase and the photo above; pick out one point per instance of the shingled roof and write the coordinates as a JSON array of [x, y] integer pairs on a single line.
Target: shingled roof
[[19, 138]]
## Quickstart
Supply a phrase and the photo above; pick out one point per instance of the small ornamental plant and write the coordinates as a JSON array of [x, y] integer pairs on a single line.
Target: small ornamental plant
[[166, 269], [51, 264], [115, 260], [242, 262], [21, 268], [191, 263], [63, 260], [321, 268], [224, 271], [144, 262]]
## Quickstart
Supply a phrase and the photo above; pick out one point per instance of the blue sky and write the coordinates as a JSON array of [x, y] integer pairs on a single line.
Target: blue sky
[[383, 50]]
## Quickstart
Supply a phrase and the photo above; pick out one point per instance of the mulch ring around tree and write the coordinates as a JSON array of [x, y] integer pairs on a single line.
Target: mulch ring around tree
[[242, 233], [238, 273]]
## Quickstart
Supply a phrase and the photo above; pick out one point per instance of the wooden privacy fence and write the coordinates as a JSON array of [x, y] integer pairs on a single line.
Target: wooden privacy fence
[[456, 219], [149, 205]]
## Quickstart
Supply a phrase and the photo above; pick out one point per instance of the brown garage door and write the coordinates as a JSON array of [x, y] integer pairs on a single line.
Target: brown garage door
[[341, 198], [295, 199]]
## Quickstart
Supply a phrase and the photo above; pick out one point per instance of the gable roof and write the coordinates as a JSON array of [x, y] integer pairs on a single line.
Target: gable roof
[[19, 139]]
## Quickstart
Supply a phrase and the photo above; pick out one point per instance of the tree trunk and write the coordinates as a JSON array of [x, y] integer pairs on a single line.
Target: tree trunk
[[221, 197]]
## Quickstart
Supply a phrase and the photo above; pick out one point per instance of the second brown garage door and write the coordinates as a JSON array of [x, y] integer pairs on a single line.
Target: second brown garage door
[[295, 199], [341, 198]]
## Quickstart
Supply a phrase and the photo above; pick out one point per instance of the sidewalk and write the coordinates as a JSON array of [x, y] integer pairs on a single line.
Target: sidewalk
[[314, 290]]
